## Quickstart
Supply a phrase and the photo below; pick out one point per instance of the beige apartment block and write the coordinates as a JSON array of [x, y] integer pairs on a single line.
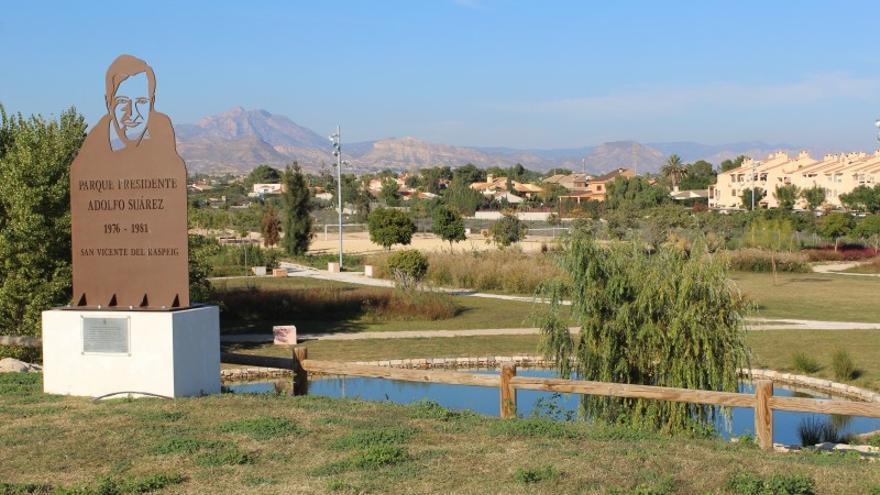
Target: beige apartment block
[[837, 174]]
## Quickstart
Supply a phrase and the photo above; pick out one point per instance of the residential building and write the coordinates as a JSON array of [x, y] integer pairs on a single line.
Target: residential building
[[836, 173], [265, 189], [495, 185], [597, 187], [572, 182]]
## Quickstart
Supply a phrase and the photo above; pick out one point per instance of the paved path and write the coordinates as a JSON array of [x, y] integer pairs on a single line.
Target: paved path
[[753, 324], [838, 267], [294, 270]]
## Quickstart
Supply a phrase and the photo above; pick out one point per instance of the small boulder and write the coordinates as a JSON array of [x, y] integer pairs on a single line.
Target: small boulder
[[12, 365]]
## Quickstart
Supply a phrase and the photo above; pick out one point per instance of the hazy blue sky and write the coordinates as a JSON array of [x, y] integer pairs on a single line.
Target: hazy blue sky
[[473, 72]]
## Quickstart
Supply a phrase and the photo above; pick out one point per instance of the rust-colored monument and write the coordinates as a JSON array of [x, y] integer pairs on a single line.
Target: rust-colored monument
[[128, 201], [130, 329]]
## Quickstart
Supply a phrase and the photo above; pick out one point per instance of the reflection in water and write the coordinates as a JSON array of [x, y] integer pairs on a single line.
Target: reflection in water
[[485, 400]]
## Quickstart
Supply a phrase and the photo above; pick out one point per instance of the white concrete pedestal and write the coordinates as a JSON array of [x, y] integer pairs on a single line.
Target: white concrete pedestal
[[170, 353]]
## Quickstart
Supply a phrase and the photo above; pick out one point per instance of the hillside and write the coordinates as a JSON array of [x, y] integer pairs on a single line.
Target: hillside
[[238, 140]]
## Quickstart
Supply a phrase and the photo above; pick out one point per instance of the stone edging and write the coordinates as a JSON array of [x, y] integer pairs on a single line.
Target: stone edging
[[245, 374]]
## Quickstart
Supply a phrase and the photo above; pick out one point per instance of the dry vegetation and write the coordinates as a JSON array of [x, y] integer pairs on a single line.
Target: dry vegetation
[[510, 271], [279, 444]]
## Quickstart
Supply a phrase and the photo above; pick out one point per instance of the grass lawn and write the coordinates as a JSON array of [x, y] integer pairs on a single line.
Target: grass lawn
[[771, 349], [231, 444], [774, 350], [474, 312], [813, 296]]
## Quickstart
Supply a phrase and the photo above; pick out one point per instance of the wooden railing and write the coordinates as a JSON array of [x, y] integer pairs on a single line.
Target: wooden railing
[[762, 401]]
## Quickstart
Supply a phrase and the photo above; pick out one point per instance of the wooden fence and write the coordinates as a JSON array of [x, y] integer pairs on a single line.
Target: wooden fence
[[762, 401]]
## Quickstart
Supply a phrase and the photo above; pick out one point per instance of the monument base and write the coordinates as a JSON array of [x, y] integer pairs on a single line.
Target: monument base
[[94, 353]]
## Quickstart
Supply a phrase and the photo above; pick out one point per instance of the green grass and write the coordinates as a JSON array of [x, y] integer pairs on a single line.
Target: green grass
[[351, 446], [773, 349], [474, 312], [813, 296]]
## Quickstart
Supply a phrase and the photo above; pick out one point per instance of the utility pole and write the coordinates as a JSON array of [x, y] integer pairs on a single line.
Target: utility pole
[[336, 139], [754, 178]]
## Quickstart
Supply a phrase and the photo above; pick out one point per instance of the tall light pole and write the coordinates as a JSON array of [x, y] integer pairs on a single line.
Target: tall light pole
[[877, 125], [754, 178], [336, 139]]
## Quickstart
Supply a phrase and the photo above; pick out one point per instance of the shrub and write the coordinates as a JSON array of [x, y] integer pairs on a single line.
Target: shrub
[[389, 227], [417, 305], [428, 409], [408, 267], [536, 475], [804, 363], [813, 430], [508, 230], [759, 260], [749, 483], [843, 366], [848, 252]]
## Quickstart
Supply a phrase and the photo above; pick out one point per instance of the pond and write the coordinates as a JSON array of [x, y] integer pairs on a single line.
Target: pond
[[484, 400]]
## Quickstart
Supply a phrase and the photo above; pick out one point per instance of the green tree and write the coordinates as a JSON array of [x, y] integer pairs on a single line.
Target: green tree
[[732, 164], [262, 174], [297, 224], [862, 198], [35, 272], [751, 196], [787, 196], [634, 193], [389, 193], [814, 196], [835, 225], [868, 229], [673, 170], [664, 319], [448, 224], [773, 234], [508, 230], [698, 175], [469, 174], [388, 227], [270, 227], [461, 197]]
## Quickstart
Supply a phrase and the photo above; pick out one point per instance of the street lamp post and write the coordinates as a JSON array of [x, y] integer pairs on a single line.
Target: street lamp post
[[877, 125], [336, 139], [754, 179]]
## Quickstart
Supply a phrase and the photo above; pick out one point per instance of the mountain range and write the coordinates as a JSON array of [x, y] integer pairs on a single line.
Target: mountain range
[[238, 140]]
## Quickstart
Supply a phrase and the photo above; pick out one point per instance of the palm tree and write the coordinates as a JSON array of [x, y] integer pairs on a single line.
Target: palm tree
[[674, 170]]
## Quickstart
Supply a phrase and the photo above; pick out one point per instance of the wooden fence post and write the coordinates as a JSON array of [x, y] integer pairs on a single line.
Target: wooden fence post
[[300, 375], [763, 414], [508, 392]]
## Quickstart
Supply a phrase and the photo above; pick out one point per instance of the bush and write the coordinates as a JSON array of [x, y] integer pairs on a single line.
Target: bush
[[813, 430], [408, 267], [843, 366], [536, 475], [749, 483], [804, 363], [389, 227], [509, 230], [759, 260], [848, 252]]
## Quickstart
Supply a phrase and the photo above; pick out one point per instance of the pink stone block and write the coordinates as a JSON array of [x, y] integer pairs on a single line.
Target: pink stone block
[[284, 334]]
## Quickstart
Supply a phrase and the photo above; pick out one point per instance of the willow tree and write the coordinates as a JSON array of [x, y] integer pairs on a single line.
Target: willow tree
[[665, 319]]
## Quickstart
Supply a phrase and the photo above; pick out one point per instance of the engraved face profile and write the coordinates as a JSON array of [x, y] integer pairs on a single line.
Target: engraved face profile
[[130, 94], [131, 109]]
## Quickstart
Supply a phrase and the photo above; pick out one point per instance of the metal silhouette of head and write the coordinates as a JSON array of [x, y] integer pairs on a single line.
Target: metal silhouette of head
[[130, 94]]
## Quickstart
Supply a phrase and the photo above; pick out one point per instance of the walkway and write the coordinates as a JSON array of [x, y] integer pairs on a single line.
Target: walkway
[[752, 324], [838, 267]]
